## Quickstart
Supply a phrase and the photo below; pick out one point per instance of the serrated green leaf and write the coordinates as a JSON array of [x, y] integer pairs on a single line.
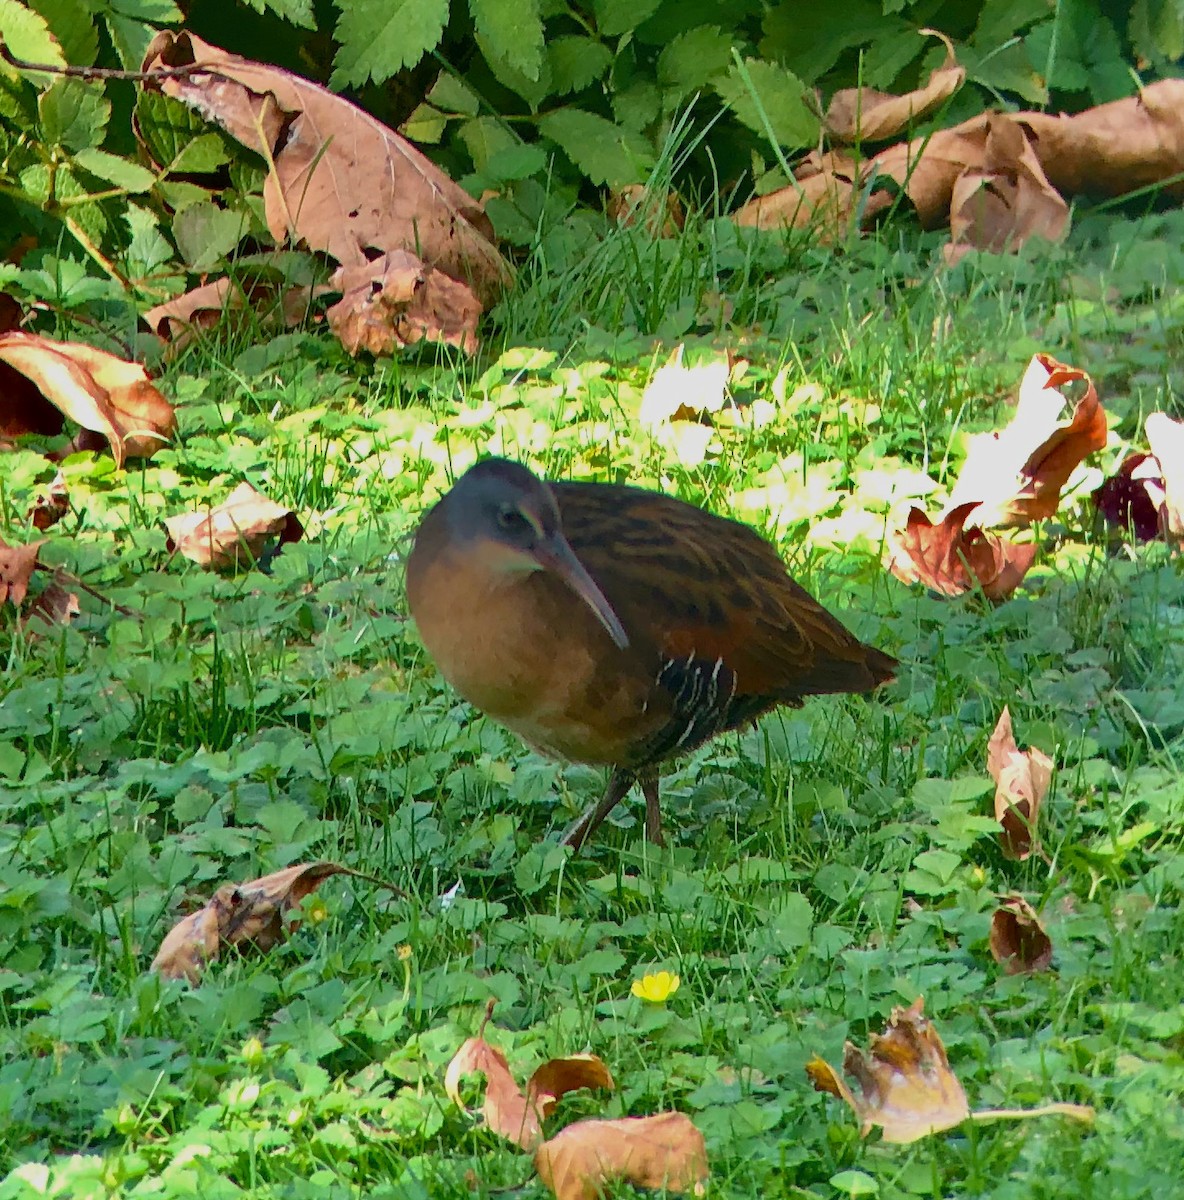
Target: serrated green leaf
[[77, 34], [425, 125], [176, 137], [148, 248], [1157, 29], [809, 38], [768, 98], [130, 39], [576, 61], [519, 161], [604, 152], [28, 36], [483, 137], [295, 12], [119, 172], [638, 106], [453, 95], [157, 12], [694, 58], [513, 31], [614, 17], [206, 233], [378, 38], [73, 114], [533, 91]]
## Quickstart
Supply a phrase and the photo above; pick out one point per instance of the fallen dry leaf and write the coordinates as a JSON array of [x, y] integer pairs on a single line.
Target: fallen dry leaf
[[1132, 498], [1022, 778], [338, 180], [905, 1082], [243, 914], [1118, 147], [1000, 202], [951, 560], [51, 505], [508, 1111], [1017, 938], [631, 203], [1016, 474], [662, 1151], [96, 390], [54, 606], [1165, 437], [17, 564], [398, 301], [865, 115], [233, 533]]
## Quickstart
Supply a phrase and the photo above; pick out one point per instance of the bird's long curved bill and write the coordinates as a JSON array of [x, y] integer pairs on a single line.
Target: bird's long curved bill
[[556, 556]]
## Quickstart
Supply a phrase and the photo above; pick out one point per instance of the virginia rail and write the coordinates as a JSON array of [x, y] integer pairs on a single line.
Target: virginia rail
[[611, 625]]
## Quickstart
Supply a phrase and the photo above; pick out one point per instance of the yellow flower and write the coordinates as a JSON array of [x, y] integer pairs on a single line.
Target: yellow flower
[[404, 952], [316, 910], [656, 988]]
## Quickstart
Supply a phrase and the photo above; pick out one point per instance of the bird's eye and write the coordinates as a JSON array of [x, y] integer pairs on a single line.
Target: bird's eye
[[511, 520]]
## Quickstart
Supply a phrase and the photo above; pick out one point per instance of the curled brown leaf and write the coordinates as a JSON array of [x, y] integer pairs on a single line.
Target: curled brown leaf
[[235, 531], [1017, 939], [904, 1082], [17, 564], [1022, 779]]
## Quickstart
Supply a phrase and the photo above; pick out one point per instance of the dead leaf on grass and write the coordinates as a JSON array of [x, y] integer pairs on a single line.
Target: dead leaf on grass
[[1000, 202], [1018, 940], [243, 914], [510, 1112], [1132, 498], [1165, 437], [50, 506], [662, 1151], [632, 203], [96, 390], [1016, 474], [951, 559], [338, 180], [398, 301], [904, 1083], [233, 533], [17, 564], [865, 115], [1022, 779]]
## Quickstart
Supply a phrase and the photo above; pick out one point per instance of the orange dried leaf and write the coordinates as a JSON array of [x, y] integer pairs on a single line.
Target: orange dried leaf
[[339, 181], [1016, 475], [235, 531], [1022, 778], [55, 606], [17, 564], [863, 114], [397, 301], [904, 1084], [562, 1075], [1018, 940], [242, 914], [662, 1151], [951, 560], [96, 390]]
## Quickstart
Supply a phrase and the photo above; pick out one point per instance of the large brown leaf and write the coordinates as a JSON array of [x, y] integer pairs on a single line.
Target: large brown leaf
[[1016, 474], [1022, 778], [663, 1151], [242, 914], [234, 532], [951, 559], [338, 180], [94, 389], [904, 1083], [999, 203]]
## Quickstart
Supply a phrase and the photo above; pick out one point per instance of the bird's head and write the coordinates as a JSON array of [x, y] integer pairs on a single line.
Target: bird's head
[[506, 517]]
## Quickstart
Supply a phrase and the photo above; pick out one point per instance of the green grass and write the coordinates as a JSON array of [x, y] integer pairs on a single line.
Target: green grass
[[824, 867]]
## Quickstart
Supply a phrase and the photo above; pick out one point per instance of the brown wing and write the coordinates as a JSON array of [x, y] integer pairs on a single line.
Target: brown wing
[[701, 588]]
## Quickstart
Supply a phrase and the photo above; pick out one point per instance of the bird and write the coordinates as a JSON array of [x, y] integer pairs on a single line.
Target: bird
[[613, 625]]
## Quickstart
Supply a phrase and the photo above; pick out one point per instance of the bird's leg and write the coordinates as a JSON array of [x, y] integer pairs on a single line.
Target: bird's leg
[[653, 814], [619, 783]]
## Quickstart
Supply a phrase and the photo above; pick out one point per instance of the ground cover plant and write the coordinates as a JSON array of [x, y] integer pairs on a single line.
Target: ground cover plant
[[193, 728]]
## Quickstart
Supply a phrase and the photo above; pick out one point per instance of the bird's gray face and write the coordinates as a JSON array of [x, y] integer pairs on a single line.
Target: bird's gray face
[[507, 518]]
